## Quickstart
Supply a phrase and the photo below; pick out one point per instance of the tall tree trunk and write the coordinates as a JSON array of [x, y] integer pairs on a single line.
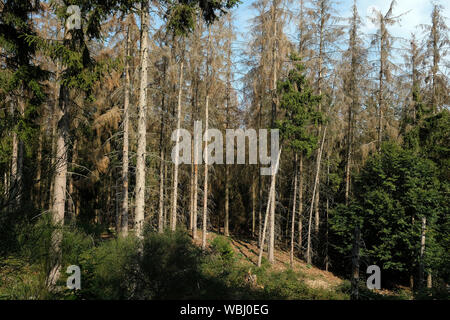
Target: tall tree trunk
[[60, 186], [227, 202], [142, 124], [269, 205], [173, 216], [37, 197], [205, 188], [253, 208], [300, 205], [294, 203], [383, 57], [327, 260], [422, 252], [54, 124], [195, 203], [71, 189], [316, 183], [123, 225], [274, 115]]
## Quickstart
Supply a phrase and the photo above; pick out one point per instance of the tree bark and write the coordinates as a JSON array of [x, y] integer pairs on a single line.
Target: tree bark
[[123, 225], [173, 216], [316, 183], [269, 204], [142, 124], [205, 188], [294, 203], [300, 205]]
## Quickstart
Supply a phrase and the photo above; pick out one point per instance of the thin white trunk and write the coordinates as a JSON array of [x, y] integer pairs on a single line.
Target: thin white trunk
[[294, 203], [269, 204], [422, 251], [60, 187], [124, 213], [316, 182], [205, 190], [173, 216], [300, 205], [142, 125]]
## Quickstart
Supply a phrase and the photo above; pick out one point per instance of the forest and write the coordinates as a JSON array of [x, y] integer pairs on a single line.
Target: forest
[[96, 98]]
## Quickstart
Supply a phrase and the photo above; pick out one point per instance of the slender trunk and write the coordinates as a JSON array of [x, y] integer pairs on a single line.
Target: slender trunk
[[125, 158], [381, 84], [253, 208], [300, 205], [316, 183], [195, 203], [71, 191], [142, 124], [60, 186], [14, 177], [37, 196], [422, 252], [269, 204], [227, 202], [348, 156], [272, 226], [327, 260], [274, 115], [54, 124], [294, 202], [173, 216], [191, 183], [205, 189]]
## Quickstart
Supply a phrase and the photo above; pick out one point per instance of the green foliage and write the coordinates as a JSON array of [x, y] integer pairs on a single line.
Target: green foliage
[[181, 14], [395, 188], [299, 103], [169, 266], [221, 246], [109, 271]]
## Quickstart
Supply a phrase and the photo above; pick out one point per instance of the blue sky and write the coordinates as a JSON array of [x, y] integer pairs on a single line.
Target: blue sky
[[419, 13]]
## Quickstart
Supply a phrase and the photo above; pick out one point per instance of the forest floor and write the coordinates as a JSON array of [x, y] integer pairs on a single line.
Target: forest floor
[[313, 277]]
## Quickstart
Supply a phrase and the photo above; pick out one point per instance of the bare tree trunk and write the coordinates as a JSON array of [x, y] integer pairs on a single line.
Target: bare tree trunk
[[195, 203], [271, 250], [422, 252], [54, 124], [316, 183], [142, 124], [72, 208], [269, 204], [274, 114], [37, 196], [227, 202], [17, 160], [125, 158], [294, 203], [327, 260], [253, 208], [205, 188], [173, 216], [60, 186], [300, 205], [191, 184]]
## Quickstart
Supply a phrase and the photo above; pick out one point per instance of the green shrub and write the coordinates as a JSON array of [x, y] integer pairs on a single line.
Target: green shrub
[[221, 246], [169, 266], [109, 271]]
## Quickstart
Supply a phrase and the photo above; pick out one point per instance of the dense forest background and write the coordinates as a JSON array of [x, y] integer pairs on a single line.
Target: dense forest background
[[86, 123]]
